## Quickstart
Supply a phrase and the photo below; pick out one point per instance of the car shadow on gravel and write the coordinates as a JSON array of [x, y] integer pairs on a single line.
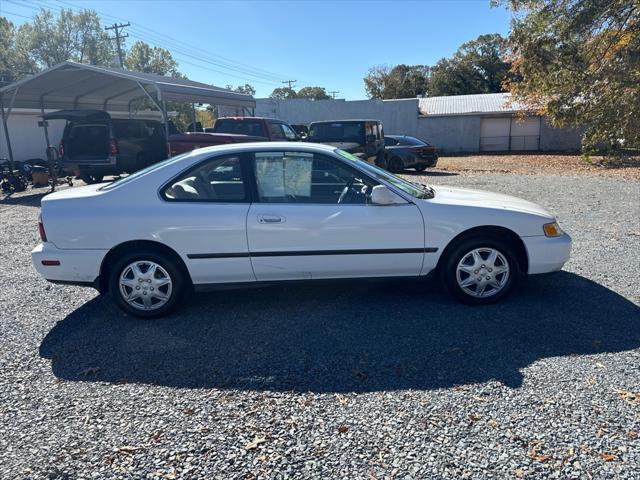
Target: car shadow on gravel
[[346, 337]]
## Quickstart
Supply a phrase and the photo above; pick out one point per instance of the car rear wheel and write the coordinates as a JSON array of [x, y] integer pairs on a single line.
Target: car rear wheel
[[481, 270], [396, 165], [146, 284]]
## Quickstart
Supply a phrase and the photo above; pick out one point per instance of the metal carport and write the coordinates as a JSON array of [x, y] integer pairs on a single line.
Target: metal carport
[[77, 86]]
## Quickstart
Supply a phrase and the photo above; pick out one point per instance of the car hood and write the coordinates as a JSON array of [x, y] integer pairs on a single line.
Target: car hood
[[482, 199]]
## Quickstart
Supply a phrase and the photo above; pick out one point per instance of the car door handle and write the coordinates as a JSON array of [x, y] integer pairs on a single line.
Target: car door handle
[[270, 219]]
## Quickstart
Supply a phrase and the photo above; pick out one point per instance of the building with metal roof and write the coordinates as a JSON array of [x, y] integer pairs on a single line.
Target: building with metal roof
[[468, 104], [489, 122]]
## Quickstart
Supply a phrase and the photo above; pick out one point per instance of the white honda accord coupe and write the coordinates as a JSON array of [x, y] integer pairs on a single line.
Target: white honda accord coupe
[[267, 212]]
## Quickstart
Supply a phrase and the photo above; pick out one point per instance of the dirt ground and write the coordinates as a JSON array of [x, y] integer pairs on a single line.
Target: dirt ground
[[534, 164]]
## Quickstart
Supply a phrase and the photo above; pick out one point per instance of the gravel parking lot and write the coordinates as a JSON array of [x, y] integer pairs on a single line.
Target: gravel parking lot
[[358, 380]]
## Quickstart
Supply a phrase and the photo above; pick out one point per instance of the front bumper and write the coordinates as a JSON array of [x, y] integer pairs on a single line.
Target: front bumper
[[81, 267], [547, 254]]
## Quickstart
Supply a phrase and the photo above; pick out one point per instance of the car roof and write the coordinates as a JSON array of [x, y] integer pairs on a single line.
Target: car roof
[[253, 146], [349, 120]]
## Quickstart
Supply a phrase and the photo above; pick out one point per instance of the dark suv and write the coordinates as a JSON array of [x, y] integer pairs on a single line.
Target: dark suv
[[94, 144], [363, 138]]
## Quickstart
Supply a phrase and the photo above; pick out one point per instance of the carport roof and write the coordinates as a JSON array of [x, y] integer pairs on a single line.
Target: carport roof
[[469, 104], [72, 85]]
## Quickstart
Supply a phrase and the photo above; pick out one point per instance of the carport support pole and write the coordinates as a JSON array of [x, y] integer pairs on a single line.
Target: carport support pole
[[48, 151], [193, 116], [165, 116], [6, 135]]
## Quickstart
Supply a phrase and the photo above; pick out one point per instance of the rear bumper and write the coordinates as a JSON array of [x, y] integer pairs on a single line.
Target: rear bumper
[[77, 267], [547, 254]]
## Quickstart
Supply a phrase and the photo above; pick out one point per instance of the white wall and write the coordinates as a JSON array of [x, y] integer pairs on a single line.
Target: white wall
[[398, 116]]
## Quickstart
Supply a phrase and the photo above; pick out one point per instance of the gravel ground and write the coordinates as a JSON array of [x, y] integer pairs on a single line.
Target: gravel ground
[[364, 380]]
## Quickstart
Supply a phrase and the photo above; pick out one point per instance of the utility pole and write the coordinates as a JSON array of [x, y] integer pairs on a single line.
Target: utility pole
[[333, 93], [289, 82], [118, 37]]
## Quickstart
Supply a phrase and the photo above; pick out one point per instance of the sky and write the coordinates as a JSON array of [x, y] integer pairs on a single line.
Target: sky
[[324, 43]]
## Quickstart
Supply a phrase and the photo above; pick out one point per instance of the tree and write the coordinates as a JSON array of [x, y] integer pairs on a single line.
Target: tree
[[315, 93], [401, 81], [578, 62], [478, 66], [142, 57], [246, 89], [71, 36], [282, 93]]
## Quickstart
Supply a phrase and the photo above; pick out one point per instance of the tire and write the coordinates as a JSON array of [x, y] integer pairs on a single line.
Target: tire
[[91, 179], [123, 278], [420, 168], [396, 165], [462, 269]]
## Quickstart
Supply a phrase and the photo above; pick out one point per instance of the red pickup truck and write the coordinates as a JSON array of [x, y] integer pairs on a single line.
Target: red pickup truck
[[233, 130]]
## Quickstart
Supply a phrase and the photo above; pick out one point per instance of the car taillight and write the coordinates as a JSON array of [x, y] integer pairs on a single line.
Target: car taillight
[[43, 234], [61, 149], [114, 147]]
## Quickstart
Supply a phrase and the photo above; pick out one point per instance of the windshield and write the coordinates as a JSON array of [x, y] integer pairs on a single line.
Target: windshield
[[144, 171], [413, 141], [337, 132], [413, 189]]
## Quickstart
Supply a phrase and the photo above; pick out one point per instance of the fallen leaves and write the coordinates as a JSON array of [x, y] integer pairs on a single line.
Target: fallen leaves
[[632, 398], [129, 449], [632, 435], [538, 457], [608, 457], [474, 417], [492, 423], [172, 475], [343, 429], [342, 399], [253, 444], [519, 473]]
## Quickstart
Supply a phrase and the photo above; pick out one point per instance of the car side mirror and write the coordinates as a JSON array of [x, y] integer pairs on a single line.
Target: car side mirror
[[371, 138], [381, 195]]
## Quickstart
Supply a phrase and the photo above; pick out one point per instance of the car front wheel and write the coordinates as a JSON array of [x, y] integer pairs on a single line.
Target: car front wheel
[[146, 285], [481, 271]]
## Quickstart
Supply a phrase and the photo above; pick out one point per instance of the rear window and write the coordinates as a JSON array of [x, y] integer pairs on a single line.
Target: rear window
[[337, 131], [253, 128]]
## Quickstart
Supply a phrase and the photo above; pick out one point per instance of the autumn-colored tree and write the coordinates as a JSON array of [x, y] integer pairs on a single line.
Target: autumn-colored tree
[[578, 62]]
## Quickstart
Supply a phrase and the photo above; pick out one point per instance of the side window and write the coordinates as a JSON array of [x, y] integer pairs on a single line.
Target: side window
[[288, 132], [390, 142], [300, 177], [276, 131], [219, 179]]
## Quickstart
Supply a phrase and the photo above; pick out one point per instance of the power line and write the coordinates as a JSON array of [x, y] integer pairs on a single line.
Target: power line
[[219, 60], [333, 93], [118, 37], [289, 82]]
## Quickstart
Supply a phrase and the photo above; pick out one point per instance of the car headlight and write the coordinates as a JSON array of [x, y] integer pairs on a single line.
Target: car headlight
[[552, 229]]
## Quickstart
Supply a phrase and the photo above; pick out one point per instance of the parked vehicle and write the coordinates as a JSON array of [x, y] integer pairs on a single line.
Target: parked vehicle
[[363, 138], [404, 151], [233, 130], [94, 144], [259, 212]]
